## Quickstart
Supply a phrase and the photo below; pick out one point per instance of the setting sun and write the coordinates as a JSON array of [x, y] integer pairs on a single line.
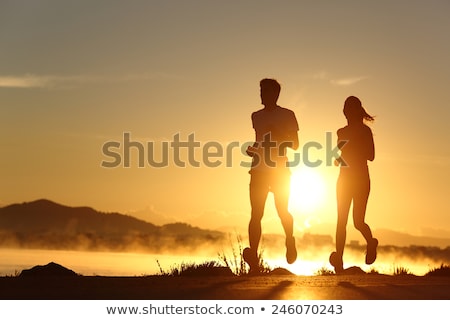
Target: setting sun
[[307, 190]]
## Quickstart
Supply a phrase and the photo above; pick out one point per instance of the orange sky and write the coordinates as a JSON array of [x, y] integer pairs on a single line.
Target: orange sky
[[77, 75]]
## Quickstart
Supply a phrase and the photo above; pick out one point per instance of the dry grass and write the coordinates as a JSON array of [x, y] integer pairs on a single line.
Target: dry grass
[[226, 265], [443, 270]]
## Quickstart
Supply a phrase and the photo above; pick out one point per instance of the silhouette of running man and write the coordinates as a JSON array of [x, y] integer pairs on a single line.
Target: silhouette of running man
[[276, 129], [353, 185]]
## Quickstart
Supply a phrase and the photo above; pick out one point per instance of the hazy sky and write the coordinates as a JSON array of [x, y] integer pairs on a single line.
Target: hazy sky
[[75, 75]]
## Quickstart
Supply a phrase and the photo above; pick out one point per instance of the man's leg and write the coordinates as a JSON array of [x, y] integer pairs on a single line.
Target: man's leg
[[258, 195], [281, 190]]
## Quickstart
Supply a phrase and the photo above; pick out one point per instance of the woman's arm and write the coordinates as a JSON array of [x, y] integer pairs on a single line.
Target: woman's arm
[[370, 146]]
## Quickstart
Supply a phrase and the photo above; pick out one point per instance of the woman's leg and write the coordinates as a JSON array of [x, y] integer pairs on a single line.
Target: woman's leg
[[359, 215], [344, 199], [359, 209]]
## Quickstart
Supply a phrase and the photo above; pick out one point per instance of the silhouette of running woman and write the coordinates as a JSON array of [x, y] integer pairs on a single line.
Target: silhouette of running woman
[[276, 129], [353, 185]]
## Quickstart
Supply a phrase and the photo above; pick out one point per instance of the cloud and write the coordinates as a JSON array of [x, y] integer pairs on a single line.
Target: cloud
[[27, 81], [344, 81], [347, 81], [58, 81], [321, 75], [149, 214]]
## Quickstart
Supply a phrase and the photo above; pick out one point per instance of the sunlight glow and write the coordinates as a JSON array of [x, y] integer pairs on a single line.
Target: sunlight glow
[[307, 190], [301, 267]]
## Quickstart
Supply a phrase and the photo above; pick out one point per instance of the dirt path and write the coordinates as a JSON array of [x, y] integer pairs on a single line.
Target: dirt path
[[289, 287]]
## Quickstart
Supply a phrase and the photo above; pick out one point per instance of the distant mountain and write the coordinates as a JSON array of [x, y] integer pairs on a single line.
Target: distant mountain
[[43, 224], [44, 216], [404, 239], [386, 237], [46, 224]]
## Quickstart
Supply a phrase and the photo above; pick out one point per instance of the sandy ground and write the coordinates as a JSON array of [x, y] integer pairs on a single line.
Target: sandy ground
[[265, 287]]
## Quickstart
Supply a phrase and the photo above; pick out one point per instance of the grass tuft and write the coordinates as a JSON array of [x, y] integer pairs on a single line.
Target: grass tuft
[[208, 268], [324, 271], [226, 265], [401, 271], [373, 271], [442, 271], [237, 264], [15, 275]]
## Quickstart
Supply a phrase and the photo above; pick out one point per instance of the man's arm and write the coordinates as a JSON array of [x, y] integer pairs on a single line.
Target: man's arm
[[290, 141], [292, 131], [293, 139], [251, 150]]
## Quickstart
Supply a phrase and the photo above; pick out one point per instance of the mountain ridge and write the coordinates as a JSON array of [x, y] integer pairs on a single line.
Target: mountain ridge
[[34, 223], [44, 223]]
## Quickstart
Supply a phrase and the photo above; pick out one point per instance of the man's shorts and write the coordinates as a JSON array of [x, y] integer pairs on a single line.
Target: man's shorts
[[274, 180]]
